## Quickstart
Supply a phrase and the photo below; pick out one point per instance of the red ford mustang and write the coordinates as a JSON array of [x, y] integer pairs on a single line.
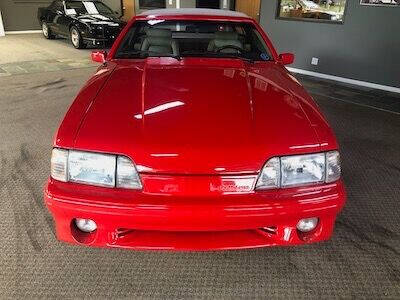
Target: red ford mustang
[[193, 135]]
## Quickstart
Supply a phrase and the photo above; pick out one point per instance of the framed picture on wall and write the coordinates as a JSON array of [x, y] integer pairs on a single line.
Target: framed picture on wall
[[329, 11], [381, 2]]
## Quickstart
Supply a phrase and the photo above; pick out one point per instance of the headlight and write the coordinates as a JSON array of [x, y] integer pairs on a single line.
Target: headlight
[[333, 169], [270, 175], [59, 160], [91, 168], [302, 169], [127, 176], [296, 170], [94, 168]]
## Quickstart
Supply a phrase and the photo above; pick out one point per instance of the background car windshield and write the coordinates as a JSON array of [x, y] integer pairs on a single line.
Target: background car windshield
[[193, 39], [87, 7]]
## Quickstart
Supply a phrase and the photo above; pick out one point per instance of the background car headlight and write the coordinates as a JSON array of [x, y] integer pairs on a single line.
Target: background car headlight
[[94, 169], [296, 170]]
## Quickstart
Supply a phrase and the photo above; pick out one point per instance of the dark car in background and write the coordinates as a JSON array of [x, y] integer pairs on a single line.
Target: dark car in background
[[83, 22]]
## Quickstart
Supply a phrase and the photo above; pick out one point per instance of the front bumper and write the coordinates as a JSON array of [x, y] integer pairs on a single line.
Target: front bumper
[[136, 220], [99, 41]]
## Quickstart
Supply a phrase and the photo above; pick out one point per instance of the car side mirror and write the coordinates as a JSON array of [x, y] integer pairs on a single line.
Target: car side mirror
[[286, 58], [99, 56]]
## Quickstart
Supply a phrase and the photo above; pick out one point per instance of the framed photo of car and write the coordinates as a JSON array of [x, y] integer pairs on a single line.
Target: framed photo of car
[[394, 3], [328, 11]]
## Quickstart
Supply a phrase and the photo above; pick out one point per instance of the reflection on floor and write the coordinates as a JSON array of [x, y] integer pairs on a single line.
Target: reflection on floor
[[353, 94]]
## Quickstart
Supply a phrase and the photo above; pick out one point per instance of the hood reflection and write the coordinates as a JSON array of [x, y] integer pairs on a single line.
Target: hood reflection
[[159, 108]]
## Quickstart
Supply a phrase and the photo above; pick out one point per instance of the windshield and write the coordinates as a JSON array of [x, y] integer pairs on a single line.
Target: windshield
[[193, 39], [87, 7]]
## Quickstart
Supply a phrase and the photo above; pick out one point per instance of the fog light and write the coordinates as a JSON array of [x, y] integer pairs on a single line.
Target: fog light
[[307, 225], [85, 225]]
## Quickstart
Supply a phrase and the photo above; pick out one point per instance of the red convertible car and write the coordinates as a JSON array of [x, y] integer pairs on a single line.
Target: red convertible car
[[192, 135]]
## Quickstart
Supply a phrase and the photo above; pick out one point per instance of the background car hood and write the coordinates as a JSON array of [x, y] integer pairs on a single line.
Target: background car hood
[[187, 117], [91, 19]]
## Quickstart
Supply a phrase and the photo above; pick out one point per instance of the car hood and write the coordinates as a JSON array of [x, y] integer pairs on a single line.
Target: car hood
[[191, 117], [98, 19]]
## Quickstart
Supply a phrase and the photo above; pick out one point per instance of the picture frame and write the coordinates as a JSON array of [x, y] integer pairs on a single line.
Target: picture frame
[[387, 3], [326, 11]]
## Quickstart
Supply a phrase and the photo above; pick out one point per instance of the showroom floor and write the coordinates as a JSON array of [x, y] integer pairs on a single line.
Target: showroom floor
[[361, 260], [31, 53]]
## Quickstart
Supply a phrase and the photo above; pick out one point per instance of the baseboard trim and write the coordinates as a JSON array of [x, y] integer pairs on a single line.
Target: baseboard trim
[[23, 31], [347, 80]]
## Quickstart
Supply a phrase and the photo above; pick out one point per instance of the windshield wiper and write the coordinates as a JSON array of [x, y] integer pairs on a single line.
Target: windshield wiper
[[144, 54], [249, 60], [216, 54]]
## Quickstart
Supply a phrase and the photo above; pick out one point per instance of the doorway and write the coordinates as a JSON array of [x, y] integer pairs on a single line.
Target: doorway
[[128, 8], [250, 8]]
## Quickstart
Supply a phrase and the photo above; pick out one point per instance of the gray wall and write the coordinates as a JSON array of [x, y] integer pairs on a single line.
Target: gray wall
[[115, 5], [21, 15], [366, 47]]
